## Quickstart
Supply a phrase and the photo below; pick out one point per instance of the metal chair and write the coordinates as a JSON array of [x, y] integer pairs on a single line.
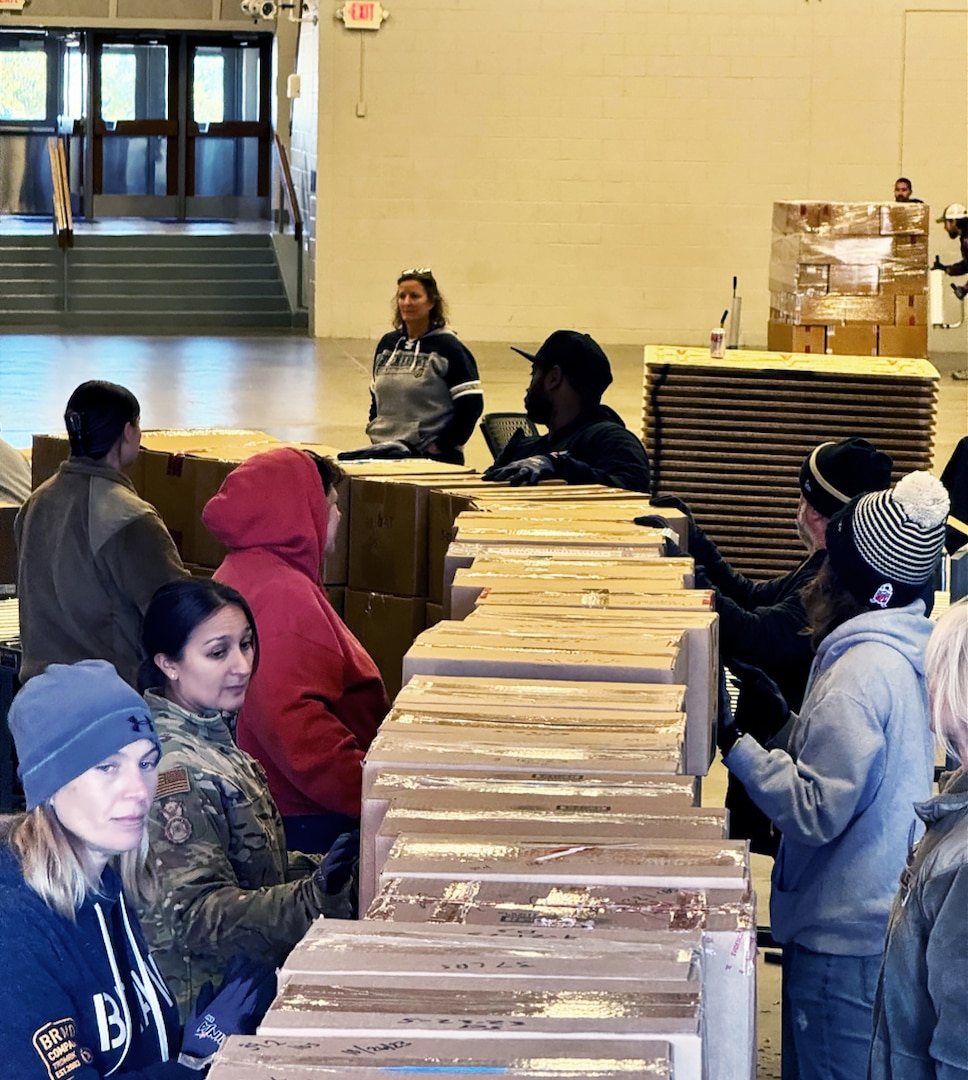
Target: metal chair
[[498, 428]]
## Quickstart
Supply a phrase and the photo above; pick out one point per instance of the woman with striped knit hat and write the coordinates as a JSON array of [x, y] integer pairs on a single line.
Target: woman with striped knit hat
[[841, 779]]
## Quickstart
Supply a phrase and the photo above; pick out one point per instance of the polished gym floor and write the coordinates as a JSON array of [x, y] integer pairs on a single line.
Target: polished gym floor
[[309, 390]]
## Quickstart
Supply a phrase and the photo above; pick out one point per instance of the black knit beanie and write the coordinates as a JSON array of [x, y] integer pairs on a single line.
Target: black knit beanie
[[836, 472], [884, 546]]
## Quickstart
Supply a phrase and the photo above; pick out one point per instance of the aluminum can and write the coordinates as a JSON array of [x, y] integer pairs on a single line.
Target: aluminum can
[[717, 343]]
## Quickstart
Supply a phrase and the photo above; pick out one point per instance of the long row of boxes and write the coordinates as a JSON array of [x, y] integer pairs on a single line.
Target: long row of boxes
[[729, 436], [544, 894], [849, 278]]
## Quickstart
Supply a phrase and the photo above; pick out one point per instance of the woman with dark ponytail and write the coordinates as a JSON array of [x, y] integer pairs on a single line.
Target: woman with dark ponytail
[[91, 552], [226, 885]]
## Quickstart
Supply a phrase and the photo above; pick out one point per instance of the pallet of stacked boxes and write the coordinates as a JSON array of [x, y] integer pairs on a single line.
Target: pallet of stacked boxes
[[729, 436], [849, 278]]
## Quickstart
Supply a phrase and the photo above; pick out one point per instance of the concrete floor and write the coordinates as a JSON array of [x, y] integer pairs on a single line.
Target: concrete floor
[[316, 391]]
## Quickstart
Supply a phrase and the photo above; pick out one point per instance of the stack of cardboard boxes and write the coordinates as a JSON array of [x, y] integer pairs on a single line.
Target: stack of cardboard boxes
[[534, 860], [849, 279]]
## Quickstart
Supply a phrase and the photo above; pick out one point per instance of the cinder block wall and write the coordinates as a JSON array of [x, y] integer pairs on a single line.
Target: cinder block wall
[[610, 164]]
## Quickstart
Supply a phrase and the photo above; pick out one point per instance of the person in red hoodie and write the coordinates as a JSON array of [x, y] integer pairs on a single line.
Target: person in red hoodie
[[317, 699]]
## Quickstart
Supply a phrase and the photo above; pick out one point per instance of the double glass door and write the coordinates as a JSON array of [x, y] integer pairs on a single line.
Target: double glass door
[[160, 125], [181, 126]]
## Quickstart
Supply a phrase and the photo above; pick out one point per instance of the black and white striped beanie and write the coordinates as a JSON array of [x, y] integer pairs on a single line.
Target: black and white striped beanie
[[884, 546]]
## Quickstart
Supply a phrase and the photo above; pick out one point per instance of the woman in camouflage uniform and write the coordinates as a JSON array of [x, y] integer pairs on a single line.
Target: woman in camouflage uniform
[[227, 884]]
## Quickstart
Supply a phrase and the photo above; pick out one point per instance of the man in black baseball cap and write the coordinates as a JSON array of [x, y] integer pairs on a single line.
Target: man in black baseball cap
[[587, 443]]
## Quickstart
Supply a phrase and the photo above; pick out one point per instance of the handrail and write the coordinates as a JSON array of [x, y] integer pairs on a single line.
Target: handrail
[[288, 187], [292, 202], [63, 218]]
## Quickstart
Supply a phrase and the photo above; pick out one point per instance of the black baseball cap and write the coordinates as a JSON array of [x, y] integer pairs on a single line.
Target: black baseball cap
[[580, 358]]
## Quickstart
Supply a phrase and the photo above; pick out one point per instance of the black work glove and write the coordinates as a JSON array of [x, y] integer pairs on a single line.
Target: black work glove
[[761, 694], [236, 1008], [338, 863], [670, 547], [938, 264], [529, 470], [676, 503], [727, 730], [961, 291]]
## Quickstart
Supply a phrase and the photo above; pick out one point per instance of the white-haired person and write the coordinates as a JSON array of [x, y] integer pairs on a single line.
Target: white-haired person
[[80, 996], [842, 777], [921, 1010]]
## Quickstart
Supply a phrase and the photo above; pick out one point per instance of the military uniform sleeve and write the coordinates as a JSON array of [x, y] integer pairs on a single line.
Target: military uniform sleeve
[[141, 558], [201, 908]]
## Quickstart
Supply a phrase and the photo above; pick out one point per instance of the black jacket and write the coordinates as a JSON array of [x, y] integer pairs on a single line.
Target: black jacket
[[760, 623], [600, 448]]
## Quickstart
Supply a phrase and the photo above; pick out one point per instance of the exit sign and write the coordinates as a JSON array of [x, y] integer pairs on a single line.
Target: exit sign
[[362, 14]]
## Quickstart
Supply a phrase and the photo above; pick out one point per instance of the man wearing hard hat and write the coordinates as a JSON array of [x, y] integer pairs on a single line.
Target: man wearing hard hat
[[955, 221]]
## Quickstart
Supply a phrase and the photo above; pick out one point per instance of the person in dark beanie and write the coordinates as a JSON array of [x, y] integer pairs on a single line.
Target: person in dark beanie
[[80, 996], [90, 552], [762, 622], [842, 777], [587, 443]]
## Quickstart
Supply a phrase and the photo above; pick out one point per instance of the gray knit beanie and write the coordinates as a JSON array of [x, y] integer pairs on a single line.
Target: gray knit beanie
[[884, 546], [69, 719]]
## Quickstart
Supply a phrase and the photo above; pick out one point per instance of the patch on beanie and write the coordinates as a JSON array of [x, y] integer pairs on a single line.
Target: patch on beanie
[[922, 498], [882, 597]]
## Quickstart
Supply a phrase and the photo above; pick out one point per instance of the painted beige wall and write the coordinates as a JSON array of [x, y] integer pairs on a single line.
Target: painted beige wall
[[610, 164]]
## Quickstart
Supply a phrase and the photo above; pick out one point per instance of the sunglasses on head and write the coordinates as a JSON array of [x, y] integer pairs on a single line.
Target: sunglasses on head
[[416, 272]]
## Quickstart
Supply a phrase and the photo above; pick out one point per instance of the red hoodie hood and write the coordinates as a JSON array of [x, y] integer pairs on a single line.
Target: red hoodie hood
[[274, 501]]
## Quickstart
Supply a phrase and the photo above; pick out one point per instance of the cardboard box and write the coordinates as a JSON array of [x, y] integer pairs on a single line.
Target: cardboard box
[[800, 217], [368, 1059], [904, 218], [903, 341], [788, 337], [855, 280], [453, 648], [702, 671], [496, 596], [678, 864], [911, 310], [659, 576], [571, 825], [855, 219], [727, 919], [852, 340], [435, 612], [386, 627], [832, 308], [672, 1012], [336, 594], [47, 452], [904, 284], [393, 785]]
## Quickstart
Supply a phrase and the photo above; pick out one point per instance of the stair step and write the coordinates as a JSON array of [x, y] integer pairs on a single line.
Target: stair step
[[146, 273], [179, 290], [175, 305]]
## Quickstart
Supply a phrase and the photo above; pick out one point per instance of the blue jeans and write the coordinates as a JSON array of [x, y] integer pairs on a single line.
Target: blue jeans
[[828, 1005]]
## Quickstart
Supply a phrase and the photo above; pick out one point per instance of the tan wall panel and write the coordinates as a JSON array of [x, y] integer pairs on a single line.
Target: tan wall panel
[[606, 165]]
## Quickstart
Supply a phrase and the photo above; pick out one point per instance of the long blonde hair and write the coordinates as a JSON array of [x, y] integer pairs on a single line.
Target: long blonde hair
[[51, 859], [946, 673]]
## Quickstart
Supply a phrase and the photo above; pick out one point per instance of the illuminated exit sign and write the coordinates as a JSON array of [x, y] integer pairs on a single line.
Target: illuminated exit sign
[[362, 14]]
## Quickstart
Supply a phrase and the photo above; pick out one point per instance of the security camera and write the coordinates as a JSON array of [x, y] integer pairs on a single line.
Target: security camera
[[260, 9]]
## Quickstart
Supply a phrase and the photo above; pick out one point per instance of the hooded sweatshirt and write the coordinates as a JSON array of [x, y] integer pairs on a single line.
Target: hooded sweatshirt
[[80, 1000], [841, 782], [597, 448], [316, 699]]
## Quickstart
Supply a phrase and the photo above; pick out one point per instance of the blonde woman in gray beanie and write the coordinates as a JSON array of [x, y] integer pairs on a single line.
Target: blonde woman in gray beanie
[[80, 996], [842, 777]]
